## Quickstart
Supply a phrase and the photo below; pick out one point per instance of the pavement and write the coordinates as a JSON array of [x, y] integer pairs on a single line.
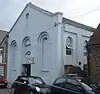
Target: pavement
[[4, 91]]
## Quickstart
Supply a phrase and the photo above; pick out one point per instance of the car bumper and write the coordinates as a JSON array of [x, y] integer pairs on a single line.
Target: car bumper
[[3, 84]]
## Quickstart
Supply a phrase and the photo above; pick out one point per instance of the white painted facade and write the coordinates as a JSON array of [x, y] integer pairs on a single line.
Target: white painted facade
[[38, 38], [79, 36]]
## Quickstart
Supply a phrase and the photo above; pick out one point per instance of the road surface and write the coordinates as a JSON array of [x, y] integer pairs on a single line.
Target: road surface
[[4, 91]]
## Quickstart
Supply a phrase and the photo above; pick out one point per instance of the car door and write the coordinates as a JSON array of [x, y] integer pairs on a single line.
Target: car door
[[64, 88], [20, 87], [16, 85], [57, 89], [74, 86], [65, 85], [24, 87], [74, 89]]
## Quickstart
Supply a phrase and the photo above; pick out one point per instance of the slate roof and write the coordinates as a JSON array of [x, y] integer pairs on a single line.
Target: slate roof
[[79, 25], [2, 35]]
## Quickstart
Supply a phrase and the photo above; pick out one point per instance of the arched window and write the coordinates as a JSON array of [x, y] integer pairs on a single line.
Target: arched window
[[43, 41], [69, 46], [13, 53], [26, 49]]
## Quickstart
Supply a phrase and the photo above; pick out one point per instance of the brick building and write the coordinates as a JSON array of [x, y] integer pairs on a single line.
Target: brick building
[[3, 52], [93, 48]]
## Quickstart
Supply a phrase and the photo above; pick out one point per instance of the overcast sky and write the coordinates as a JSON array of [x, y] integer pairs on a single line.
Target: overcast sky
[[83, 11]]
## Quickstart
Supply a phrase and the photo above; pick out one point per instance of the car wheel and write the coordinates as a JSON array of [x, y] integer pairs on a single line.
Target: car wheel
[[13, 90]]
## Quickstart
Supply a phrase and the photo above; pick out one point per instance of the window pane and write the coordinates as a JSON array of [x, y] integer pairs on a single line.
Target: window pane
[[68, 51], [85, 53], [69, 42]]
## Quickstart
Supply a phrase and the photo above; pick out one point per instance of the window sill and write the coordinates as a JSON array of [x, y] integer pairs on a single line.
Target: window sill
[[45, 70], [14, 70]]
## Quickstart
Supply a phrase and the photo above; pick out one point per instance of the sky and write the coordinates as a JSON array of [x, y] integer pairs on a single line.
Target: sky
[[83, 11]]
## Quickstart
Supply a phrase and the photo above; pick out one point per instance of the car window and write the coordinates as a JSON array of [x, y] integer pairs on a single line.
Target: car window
[[59, 80], [24, 80], [18, 79], [73, 81], [35, 81]]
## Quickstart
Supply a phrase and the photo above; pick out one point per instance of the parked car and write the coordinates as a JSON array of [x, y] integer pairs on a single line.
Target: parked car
[[96, 88], [3, 81], [70, 85], [29, 85]]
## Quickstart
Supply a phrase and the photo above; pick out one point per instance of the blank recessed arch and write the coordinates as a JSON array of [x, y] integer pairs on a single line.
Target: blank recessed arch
[[13, 43], [27, 38], [43, 35]]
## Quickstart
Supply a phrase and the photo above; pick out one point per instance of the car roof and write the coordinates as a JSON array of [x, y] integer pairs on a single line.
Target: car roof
[[30, 76], [70, 77], [35, 77]]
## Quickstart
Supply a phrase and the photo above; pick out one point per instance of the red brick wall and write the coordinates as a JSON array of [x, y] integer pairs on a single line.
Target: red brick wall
[[94, 60]]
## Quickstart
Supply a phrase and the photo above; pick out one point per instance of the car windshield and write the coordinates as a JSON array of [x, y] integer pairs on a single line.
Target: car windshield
[[60, 80], [36, 80], [86, 87], [66, 80]]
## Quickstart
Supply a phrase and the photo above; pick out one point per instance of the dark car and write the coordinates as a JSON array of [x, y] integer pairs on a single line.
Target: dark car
[[70, 85], [3, 81], [96, 88], [29, 85]]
